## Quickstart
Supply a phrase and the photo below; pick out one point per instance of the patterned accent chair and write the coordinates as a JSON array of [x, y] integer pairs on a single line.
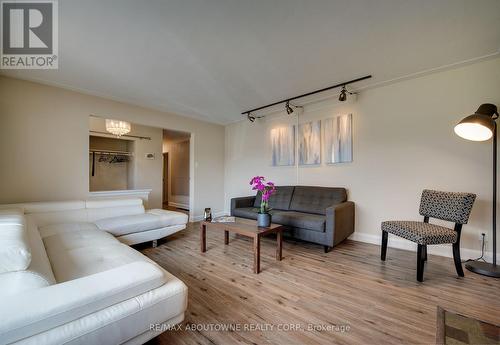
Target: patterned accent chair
[[448, 206]]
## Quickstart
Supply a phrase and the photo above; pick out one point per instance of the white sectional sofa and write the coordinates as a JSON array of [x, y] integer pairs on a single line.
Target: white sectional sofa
[[66, 279]]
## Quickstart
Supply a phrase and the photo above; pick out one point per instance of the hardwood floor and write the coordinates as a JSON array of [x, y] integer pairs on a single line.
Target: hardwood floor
[[370, 301]]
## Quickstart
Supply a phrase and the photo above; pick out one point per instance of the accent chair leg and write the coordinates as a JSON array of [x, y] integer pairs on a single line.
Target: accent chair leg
[[327, 248], [420, 262], [154, 243], [456, 258], [383, 249]]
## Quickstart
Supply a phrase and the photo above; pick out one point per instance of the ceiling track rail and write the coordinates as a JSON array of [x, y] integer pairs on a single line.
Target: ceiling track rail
[[307, 94]]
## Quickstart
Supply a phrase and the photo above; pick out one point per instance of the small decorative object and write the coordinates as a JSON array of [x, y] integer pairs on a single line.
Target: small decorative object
[[338, 139], [283, 146], [310, 143], [149, 156], [224, 219], [118, 127], [208, 214], [266, 190]]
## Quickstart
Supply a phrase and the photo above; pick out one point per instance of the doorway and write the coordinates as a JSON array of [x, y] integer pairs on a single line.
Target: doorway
[[176, 170]]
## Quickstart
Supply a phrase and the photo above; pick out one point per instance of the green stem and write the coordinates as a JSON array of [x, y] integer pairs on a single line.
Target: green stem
[[263, 207]]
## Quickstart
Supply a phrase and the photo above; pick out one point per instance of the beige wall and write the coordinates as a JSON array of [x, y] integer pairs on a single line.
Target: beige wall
[[403, 142], [44, 143]]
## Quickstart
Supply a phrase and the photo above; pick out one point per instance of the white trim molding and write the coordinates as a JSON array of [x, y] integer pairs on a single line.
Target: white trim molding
[[179, 205]]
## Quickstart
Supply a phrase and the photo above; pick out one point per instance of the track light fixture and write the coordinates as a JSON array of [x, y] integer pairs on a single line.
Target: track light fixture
[[251, 117], [288, 107], [343, 94]]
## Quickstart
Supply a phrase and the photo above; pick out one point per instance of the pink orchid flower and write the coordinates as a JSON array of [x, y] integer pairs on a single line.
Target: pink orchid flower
[[265, 189]]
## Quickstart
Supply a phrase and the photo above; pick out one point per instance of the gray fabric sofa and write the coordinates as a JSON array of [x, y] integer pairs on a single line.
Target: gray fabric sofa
[[320, 215]]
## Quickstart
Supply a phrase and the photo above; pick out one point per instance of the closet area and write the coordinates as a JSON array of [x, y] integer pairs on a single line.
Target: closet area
[[110, 163]]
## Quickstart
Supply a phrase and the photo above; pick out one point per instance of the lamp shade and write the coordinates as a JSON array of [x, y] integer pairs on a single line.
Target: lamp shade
[[478, 126], [475, 127]]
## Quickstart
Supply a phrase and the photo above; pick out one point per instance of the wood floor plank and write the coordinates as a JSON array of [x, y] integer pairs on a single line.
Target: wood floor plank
[[375, 302]]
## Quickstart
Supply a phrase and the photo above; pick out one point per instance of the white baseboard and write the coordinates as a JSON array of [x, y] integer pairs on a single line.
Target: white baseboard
[[199, 218], [178, 205], [399, 243]]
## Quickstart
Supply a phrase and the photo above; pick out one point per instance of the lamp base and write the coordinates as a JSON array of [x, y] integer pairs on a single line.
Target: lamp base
[[484, 268]]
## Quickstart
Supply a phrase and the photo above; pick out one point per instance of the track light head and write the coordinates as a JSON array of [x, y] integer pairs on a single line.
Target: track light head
[[288, 108], [250, 117], [343, 94]]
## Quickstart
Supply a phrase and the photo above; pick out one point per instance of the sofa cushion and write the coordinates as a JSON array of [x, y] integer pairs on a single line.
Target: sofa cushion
[[300, 220], [112, 202], [15, 253], [108, 212], [50, 206], [107, 208], [53, 229], [78, 253], [121, 323], [52, 212], [153, 219], [280, 200], [316, 199], [420, 232], [37, 275], [46, 309], [246, 212]]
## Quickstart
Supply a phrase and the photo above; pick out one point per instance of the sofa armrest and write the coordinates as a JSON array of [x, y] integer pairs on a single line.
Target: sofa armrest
[[246, 201], [35, 311], [339, 222]]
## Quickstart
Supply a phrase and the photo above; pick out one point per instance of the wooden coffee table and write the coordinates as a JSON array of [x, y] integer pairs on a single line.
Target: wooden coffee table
[[248, 228]]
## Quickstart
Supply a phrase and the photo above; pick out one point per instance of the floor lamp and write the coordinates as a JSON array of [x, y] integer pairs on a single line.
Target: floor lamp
[[481, 126]]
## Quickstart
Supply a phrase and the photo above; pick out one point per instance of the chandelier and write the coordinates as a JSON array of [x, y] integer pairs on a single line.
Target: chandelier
[[117, 127]]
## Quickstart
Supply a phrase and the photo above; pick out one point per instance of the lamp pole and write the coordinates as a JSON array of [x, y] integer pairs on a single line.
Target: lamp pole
[[485, 119], [495, 194]]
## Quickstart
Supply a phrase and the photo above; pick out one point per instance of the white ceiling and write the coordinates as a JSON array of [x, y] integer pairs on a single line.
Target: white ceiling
[[214, 59]]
